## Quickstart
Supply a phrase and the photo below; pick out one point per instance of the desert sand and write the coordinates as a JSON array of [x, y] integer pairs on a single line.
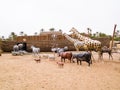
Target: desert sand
[[23, 73]]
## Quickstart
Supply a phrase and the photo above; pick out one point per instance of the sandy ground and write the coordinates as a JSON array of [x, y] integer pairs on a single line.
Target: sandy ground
[[23, 73]]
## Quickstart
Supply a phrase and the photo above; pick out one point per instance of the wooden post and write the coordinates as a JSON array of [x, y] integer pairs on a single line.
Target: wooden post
[[113, 35], [0, 52]]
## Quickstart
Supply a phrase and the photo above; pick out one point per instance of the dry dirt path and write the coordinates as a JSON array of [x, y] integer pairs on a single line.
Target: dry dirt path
[[23, 73]]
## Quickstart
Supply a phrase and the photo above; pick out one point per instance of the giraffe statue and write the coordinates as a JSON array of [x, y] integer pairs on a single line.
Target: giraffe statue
[[91, 44], [77, 43]]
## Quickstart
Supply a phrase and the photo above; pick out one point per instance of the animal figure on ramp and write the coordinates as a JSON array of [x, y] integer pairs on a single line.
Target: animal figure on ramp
[[105, 49], [66, 55], [15, 48], [86, 56], [35, 50]]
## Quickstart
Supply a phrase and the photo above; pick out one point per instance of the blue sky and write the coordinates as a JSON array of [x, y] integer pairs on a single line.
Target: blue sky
[[30, 16]]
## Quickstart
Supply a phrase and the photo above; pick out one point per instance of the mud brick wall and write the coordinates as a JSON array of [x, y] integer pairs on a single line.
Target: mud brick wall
[[45, 43], [7, 46], [104, 41]]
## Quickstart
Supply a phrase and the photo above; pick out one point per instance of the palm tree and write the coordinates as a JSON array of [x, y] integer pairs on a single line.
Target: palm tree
[[117, 33], [41, 30], [25, 34], [97, 34], [94, 35], [35, 33], [13, 35], [52, 29], [3, 37], [21, 33], [88, 30], [60, 30]]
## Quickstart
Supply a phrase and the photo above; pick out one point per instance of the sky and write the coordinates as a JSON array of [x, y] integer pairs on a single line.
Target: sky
[[31, 16]]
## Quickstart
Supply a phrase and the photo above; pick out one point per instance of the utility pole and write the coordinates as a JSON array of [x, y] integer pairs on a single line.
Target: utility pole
[[113, 35]]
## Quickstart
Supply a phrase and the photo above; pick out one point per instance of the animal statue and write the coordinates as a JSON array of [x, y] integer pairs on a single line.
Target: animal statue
[[91, 44], [66, 55], [15, 48], [51, 57], [20, 45], [35, 50], [103, 50], [86, 56], [60, 64], [77, 43], [54, 49], [18, 49], [59, 50], [38, 60]]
